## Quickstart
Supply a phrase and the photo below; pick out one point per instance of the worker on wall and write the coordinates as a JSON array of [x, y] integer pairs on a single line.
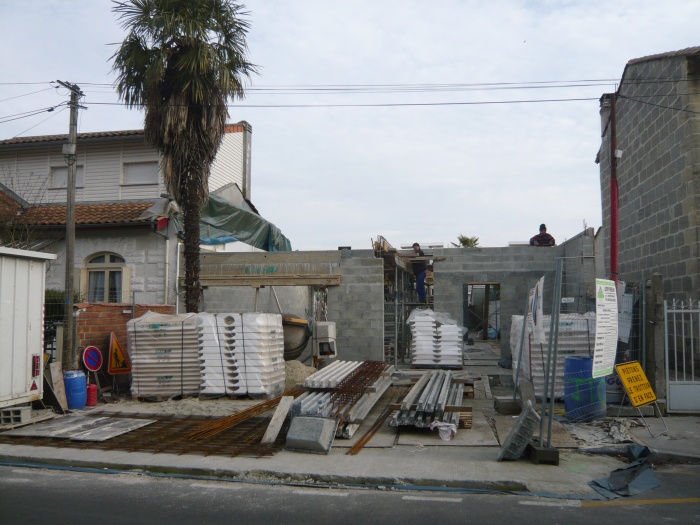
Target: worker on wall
[[542, 238]]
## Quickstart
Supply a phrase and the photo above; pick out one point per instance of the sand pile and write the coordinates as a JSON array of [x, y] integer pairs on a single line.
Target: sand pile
[[295, 373]]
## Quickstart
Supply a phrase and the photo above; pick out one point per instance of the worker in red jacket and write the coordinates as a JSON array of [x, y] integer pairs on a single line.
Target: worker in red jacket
[[542, 238]]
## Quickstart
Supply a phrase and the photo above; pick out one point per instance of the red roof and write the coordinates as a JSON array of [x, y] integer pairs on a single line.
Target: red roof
[[229, 128], [108, 213]]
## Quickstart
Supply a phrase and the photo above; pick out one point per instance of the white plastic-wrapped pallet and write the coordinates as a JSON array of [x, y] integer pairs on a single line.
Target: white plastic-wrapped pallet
[[576, 338], [259, 354], [164, 353]]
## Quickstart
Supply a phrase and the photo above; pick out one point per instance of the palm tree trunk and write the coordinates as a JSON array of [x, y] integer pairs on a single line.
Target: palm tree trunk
[[192, 212]]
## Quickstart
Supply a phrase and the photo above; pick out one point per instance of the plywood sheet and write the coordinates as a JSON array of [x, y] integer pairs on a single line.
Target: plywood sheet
[[82, 428]]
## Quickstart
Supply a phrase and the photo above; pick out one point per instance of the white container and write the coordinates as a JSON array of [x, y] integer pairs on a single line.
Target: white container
[[22, 325]]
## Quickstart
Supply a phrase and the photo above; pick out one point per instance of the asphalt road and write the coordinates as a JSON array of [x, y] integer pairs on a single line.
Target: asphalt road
[[31, 495]]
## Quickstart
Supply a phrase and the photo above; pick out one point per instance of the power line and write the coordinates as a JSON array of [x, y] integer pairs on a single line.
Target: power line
[[27, 114], [26, 94]]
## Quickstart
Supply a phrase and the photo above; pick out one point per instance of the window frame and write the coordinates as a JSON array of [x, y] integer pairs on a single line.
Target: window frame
[[79, 177], [106, 268], [125, 166]]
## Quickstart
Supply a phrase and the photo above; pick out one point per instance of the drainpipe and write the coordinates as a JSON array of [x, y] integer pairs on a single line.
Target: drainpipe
[[614, 194]]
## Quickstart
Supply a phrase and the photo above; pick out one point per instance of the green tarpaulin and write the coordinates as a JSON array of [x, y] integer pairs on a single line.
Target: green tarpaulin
[[222, 222]]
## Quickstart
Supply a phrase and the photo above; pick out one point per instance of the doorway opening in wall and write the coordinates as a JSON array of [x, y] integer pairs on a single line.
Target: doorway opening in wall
[[481, 306]]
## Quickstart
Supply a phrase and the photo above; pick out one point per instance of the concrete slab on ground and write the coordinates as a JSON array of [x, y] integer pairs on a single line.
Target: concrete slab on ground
[[680, 442], [560, 436]]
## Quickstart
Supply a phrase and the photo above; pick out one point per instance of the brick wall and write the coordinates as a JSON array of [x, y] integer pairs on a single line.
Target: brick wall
[[96, 322]]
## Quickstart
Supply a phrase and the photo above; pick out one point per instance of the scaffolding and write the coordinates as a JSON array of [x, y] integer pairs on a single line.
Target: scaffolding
[[400, 300]]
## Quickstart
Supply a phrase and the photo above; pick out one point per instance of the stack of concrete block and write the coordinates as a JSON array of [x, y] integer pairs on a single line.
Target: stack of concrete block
[[164, 353]]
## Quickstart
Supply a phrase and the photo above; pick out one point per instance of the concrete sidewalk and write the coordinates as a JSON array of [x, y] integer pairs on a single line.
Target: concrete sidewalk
[[398, 460]]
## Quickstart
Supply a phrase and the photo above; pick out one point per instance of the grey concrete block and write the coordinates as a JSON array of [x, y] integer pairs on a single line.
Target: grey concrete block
[[311, 434]]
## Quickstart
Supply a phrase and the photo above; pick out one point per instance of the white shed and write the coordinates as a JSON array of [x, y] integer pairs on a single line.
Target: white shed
[[22, 276]]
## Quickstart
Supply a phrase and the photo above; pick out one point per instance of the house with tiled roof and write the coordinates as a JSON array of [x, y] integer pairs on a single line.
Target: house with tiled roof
[[126, 246]]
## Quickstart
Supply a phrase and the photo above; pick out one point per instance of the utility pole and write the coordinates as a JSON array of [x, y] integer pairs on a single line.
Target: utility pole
[[70, 354]]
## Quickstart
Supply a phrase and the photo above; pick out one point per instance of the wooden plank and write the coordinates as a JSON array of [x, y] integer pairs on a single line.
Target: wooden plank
[[273, 429], [317, 257], [268, 280], [59, 389]]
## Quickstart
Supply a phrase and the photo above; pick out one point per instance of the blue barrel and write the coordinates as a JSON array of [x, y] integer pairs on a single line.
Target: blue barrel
[[584, 396], [75, 383]]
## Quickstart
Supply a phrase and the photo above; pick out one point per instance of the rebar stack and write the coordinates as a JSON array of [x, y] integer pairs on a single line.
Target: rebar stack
[[346, 391]]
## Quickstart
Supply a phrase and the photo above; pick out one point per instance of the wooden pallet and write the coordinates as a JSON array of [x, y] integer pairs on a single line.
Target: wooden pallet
[[465, 418]]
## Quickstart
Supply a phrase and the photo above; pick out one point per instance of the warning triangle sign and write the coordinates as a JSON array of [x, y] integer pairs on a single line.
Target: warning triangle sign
[[34, 387], [118, 360]]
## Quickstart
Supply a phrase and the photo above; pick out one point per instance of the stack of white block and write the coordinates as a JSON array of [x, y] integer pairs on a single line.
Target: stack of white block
[[213, 354], [164, 353], [433, 343]]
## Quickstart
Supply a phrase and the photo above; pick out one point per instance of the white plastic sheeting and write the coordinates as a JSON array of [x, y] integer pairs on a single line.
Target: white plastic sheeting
[[212, 354], [576, 337]]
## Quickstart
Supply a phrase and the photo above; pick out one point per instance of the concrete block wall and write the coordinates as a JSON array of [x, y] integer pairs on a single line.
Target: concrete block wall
[[658, 175], [357, 306], [516, 268]]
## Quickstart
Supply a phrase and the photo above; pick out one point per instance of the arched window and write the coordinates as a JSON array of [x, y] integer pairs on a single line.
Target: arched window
[[103, 278]]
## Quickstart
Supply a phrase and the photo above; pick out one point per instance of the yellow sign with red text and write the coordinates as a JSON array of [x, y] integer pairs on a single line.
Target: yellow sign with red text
[[636, 383]]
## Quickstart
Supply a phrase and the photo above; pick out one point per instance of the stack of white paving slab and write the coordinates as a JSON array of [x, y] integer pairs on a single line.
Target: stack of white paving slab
[[164, 353], [434, 343]]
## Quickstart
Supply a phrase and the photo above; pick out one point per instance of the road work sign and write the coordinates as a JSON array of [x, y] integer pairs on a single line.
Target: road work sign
[[636, 383]]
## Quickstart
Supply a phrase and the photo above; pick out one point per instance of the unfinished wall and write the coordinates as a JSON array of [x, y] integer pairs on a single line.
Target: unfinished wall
[[356, 305], [516, 268]]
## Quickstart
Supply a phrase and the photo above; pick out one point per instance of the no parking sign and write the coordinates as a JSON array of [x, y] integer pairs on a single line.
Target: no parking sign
[[92, 358]]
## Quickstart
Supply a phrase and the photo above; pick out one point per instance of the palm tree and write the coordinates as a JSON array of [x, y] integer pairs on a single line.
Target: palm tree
[[181, 61], [466, 242]]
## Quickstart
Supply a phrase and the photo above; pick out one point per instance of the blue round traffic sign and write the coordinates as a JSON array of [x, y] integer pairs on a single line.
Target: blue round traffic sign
[[92, 358]]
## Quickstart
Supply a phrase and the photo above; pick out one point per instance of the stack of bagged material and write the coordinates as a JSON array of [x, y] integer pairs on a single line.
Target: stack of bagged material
[[164, 353], [212, 354], [436, 340]]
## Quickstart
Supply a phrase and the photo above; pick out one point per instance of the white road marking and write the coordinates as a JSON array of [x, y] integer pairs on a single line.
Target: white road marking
[[227, 486], [433, 498], [557, 503], [321, 493]]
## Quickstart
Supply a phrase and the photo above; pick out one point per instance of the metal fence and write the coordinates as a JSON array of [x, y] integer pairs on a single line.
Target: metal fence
[[553, 343], [682, 325]]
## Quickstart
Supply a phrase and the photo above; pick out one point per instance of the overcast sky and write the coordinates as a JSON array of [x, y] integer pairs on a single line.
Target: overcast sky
[[444, 138]]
